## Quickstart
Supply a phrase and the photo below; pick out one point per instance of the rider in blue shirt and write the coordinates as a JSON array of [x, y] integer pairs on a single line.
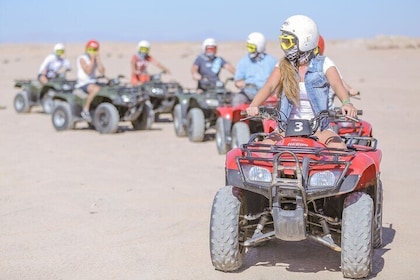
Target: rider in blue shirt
[[253, 69], [207, 65]]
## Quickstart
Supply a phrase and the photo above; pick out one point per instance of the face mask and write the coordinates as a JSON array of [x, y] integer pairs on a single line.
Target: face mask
[[210, 55], [291, 54], [142, 55], [253, 55]]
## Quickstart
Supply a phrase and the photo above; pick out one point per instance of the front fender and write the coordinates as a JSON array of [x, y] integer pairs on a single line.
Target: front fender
[[224, 112]]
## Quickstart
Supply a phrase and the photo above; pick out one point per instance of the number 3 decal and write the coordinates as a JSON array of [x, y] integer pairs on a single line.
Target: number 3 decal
[[298, 126]]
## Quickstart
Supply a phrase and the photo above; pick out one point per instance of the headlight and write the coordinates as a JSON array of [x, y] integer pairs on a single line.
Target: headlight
[[256, 173], [157, 91], [322, 179], [212, 102], [125, 98]]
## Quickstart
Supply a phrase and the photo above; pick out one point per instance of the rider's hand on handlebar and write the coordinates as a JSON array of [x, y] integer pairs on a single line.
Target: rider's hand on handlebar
[[252, 111], [196, 76], [349, 110]]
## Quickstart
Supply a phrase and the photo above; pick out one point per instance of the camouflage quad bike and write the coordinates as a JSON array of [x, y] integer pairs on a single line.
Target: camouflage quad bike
[[112, 104], [33, 93], [162, 94], [195, 113]]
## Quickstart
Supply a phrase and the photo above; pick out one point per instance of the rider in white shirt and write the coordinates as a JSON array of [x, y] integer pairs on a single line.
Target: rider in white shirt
[[87, 64], [54, 65]]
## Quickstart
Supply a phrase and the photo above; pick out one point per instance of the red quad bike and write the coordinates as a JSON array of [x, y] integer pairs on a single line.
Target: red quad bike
[[344, 126], [299, 189], [231, 131]]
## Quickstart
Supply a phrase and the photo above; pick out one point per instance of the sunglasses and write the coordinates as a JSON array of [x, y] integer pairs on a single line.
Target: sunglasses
[[251, 47], [143, 50], [59, 52], [287, 41]]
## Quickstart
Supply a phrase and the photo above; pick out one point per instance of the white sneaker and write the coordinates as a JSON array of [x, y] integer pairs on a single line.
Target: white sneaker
[[86, 116]]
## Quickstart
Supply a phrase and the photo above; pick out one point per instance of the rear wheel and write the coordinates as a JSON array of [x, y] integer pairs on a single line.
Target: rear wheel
[[377, 230], [356, 236], [226, 232], [62, 117], [221, 137], [106, 118], [240, 134], [47, 102], [21, 102], [146, 118], [196, 125], [178, 124]]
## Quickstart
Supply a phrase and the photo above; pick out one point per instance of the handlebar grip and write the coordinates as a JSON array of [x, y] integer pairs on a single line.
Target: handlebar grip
[[244, 113]]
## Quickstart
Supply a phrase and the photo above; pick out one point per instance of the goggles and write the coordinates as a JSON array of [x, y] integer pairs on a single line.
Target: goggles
[[59, 52], [251, 47], [144, 50], [287, 41], [92, 50]]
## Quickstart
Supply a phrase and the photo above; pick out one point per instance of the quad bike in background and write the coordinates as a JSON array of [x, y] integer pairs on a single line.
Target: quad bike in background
[[162, 94], [33, 93], [296, 188], [345, 126], [196, 112], [231, 130], [112, 104]]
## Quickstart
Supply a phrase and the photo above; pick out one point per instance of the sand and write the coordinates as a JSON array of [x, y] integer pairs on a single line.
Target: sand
[[136, 204]]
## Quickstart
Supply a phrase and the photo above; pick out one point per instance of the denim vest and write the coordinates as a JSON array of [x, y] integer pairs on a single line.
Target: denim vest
[[317, 88]]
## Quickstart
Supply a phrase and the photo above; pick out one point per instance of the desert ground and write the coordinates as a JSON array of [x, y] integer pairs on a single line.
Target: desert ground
[[136, 204]]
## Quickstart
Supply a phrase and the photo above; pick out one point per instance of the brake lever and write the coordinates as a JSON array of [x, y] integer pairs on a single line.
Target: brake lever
[[351, 118]]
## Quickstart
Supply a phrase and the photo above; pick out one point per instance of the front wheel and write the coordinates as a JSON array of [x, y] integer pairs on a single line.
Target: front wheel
[[221, 137], [62, 116], [178, 123], [240, 134], [21, 102], [47, 102], [226, 236], [106, 118], [356, 236], [377, 230], [146, 118], [196, 125]]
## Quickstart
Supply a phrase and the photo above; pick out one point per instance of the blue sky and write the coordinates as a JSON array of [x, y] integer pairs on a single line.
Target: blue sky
[[193, 20]]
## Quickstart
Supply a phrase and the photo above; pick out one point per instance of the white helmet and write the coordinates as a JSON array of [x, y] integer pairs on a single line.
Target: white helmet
[[143, 46], [258, 40], [305, 30], [209, 42], [58, 47]]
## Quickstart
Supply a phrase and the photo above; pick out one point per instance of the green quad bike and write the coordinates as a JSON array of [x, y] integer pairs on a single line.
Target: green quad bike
[[162, 94], [112, 104], [195, 113], [33, 93]]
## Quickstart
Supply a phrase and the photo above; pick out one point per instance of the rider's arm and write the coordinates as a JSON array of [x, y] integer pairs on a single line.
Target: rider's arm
[[87, 68], [265, 92], [101, 68], [194, 72], [337, 85], [229, 67], [43, 67], [160, 65], [133, 66]]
